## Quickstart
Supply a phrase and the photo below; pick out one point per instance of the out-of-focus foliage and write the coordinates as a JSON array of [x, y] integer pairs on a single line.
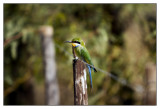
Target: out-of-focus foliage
[[121, 39]]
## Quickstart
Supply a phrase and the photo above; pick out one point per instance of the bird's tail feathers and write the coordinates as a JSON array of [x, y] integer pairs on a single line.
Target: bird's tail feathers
[[90, 76], [94, 69]]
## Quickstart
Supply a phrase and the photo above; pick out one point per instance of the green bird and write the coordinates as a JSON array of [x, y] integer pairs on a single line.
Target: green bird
[[83, 54]]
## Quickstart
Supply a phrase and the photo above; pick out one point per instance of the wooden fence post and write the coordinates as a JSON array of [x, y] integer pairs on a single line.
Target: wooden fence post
[[80, 82], [51, 84], [150, 96]]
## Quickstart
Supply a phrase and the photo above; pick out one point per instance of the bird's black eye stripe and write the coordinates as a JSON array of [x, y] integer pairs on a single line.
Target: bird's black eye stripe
[[76, 42]]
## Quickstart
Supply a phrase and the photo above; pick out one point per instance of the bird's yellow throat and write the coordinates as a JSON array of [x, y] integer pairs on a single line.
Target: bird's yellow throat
[[73, 44]]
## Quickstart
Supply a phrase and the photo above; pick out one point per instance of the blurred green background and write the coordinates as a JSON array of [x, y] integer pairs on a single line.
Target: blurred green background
[[121, 39]]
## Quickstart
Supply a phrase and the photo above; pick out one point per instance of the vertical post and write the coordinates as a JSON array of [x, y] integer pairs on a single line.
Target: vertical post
[[80, 82], [150, 97], [51, 84]]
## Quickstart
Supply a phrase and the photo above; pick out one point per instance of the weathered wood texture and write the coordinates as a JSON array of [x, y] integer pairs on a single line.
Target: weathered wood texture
[[150, 97], [51, 84], [80, 82]]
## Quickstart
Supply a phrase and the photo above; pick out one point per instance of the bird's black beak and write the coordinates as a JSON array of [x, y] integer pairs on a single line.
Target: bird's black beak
[[68, 42]]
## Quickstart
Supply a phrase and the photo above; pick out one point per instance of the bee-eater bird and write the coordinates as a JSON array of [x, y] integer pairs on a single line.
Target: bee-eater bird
[[83, 54]]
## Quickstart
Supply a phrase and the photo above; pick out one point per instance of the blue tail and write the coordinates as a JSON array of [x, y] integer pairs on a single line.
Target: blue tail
[[90, 76]]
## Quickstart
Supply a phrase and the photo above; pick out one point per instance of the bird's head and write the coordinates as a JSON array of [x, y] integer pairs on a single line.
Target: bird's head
[[76, 42]]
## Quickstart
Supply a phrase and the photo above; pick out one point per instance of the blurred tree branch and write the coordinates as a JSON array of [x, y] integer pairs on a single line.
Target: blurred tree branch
[[7, 41], [17, 83], [96, 97]]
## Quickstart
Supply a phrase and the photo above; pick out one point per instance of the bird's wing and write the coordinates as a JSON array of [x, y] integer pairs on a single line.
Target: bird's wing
[[86, 57]]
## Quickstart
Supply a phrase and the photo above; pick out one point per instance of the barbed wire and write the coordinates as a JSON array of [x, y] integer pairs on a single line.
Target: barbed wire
[[122, 81]]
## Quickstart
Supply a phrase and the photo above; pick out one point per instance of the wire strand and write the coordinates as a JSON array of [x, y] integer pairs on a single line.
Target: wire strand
[[122, 81]]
